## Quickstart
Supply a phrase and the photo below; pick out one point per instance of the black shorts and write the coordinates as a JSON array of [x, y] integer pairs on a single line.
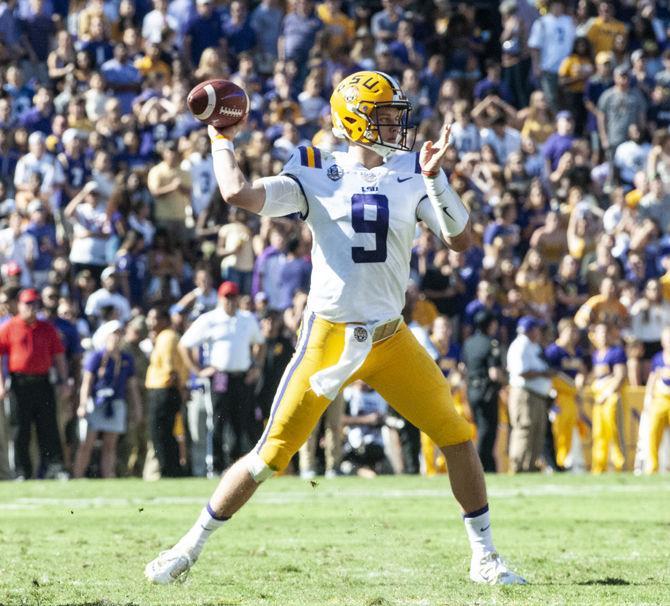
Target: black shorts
[[651, 348]]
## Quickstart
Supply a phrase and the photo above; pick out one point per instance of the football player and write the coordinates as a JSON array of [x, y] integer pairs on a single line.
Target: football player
[[657, 399], [362, 207], [566, 359], [609, 375]]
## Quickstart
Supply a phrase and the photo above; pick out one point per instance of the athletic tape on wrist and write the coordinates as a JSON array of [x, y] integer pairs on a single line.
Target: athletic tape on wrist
[[222, 143]]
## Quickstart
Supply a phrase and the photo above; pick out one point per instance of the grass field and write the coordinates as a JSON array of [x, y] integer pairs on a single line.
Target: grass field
[[384, 542]]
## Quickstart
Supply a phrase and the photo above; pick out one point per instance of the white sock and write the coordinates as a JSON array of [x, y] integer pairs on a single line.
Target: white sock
[[478, 529], [194, 540]]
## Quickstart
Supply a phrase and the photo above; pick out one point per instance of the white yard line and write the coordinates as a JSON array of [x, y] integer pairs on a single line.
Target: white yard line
[[545, 490]]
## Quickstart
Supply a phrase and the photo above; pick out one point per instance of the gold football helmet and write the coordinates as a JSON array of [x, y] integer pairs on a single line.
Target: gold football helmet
[[354, 104]]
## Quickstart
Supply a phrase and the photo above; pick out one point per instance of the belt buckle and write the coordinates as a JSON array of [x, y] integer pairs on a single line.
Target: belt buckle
[[384, 331]]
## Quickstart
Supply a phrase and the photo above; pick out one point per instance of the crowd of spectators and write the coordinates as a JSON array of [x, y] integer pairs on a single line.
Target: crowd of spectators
[[109, 205]]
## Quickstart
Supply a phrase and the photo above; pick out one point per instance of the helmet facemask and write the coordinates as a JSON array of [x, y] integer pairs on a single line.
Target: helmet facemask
[[404, 139]]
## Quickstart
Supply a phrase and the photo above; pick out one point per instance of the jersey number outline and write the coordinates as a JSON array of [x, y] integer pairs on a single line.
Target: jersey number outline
[[378, 226]]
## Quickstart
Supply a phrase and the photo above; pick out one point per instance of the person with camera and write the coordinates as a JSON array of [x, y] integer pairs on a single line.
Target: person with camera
[[108, 383]]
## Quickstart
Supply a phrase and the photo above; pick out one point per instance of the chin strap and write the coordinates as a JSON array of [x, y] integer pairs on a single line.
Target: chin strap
[[381, 150]]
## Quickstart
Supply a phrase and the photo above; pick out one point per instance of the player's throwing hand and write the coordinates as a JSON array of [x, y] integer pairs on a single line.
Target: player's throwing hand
[[229, 132], [431, 154]]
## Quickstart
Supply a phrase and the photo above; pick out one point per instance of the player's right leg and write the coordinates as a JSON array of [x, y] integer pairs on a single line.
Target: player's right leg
[[403, 373], [295, 411]]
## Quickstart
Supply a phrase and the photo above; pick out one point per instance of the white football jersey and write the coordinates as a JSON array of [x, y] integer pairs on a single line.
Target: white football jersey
[[363, 224]]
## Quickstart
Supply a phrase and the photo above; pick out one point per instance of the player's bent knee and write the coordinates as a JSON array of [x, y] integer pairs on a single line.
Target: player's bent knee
[[258, 469]]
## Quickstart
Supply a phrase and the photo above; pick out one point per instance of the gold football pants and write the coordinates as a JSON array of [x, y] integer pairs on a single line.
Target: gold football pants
[[398, 367]]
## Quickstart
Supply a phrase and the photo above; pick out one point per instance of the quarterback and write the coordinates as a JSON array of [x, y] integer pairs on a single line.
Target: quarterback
[[362, 207]]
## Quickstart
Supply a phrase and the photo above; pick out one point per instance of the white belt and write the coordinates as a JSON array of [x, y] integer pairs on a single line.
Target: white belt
[[358, 341]]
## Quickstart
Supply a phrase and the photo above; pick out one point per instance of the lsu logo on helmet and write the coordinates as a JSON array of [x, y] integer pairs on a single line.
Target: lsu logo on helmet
[[354, 104]]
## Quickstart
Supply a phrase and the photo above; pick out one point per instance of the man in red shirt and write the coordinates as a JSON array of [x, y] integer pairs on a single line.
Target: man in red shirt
[[32, 347]]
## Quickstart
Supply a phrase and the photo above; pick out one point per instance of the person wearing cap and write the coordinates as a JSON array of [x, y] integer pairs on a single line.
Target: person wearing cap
[[530, 389], [619, 107], [595, 86], [32, 347], [234, 341], [108, 384], [108, 295], [482, 361]]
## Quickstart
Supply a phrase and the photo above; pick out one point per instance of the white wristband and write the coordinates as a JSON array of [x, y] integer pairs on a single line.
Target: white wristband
[[221, 143], [451, 212]]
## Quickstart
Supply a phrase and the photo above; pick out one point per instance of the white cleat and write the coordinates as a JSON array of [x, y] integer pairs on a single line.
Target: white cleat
[[492, 570], [168, 567]]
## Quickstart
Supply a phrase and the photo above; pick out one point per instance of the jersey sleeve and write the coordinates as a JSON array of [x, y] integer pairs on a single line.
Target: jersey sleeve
[[196, 334], [284, 194], [617, 355], [657, 361], [92, 361]]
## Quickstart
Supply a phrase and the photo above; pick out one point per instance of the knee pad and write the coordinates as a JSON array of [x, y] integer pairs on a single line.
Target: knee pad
[[258, 468]]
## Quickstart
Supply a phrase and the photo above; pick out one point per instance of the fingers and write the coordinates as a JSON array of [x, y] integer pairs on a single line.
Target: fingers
[[444, 135]]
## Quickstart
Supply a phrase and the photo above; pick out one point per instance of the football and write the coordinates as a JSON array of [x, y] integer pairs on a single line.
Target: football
[[220, 103]]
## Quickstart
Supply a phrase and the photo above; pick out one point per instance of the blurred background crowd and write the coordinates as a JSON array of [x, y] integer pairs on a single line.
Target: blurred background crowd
[[113, 230]]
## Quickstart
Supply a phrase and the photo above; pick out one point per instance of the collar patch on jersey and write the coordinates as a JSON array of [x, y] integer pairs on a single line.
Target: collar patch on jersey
[[369, 177], [334, 172], [360, 334]]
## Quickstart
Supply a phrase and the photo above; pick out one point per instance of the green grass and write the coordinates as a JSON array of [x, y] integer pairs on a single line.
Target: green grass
[[385, 542]]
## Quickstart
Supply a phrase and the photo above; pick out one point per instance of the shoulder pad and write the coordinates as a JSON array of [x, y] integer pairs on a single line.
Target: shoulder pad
[[310, 156], [304, 157]]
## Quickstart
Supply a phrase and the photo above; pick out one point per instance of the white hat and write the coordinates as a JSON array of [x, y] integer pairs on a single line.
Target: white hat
[[37, 137], [100, 336], [108, 272], [70, 135]]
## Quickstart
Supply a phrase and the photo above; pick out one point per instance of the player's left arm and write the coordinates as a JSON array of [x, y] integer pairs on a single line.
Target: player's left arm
[[449, 218]]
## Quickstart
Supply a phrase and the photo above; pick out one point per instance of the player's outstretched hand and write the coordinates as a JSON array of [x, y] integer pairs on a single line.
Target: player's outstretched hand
[[228, 133], [431, 154]]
